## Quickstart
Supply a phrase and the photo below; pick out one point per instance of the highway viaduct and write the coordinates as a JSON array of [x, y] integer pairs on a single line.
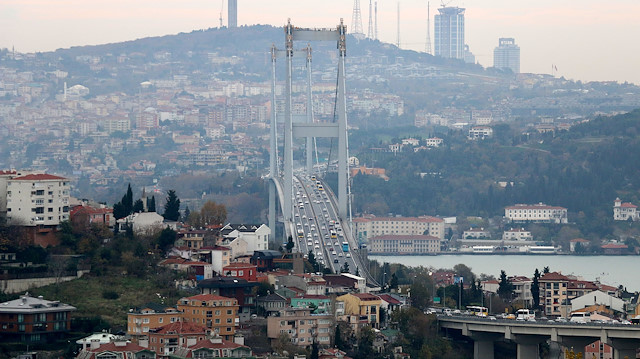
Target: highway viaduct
[[625, 339]]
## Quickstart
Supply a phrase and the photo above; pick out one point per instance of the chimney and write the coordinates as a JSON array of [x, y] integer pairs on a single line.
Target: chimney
[[238, 339], [94, 344]]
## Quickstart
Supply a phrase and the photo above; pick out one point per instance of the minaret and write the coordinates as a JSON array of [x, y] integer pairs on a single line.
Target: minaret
[[145, 208]]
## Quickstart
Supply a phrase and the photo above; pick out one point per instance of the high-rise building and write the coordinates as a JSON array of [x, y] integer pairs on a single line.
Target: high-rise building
[[507, 55], [232, 17], [449, 32]]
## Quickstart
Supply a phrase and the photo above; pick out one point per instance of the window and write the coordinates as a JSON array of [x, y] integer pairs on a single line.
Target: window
[[160, 320]]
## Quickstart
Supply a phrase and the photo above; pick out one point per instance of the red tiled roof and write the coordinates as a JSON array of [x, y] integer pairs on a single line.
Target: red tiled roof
[[554, 276], [181, 328], [581, 240], [38, 177], [614, 246], [628, 205], [112, 347], [365, 296], [206, 297], [389, 299]]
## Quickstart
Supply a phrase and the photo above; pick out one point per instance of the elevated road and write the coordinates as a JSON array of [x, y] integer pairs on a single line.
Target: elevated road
[[625, 339]]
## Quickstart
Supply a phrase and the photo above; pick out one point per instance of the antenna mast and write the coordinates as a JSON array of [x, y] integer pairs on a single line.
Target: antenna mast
[[370, 29], [376, 19], [356, 19], [221, 10], [398, 39], [428, 45]]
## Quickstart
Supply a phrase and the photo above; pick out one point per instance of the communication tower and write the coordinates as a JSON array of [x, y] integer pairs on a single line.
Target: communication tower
[[356, 19]]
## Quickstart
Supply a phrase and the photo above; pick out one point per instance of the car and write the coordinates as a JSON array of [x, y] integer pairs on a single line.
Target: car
[[348, 255], [306, 202], [510, 316], [316, 242], [625, 322], [304, 216], [336, 244], [319, 254], [520, 319], [297, 215], [316, 247], [309, 244], [457, 312], [340, 254], [531, 320], [335, 261], [491, 317], [561, 320]]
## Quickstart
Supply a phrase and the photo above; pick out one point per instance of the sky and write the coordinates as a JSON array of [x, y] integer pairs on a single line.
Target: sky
[[586, 40]]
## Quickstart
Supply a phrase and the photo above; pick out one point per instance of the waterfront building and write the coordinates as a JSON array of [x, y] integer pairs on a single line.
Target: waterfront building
[[624, 211], [537, 213]]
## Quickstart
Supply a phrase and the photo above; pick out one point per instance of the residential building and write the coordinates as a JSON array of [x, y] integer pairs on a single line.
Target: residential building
[[598, 297], [37, 199], [522, 290], [371, 226], [220, 314], [434, 142], [321, 303], [553, 294], [507, 55], [255, 235], [517, 234], [303, 327], [116, 349], [449, 33], [231, 287], [272, 303], [369, 171], [214, 347], [195, 270], [625, 211], [219, 256], [246, 271], [166, 339], [480, 132], [598, 350], [476, 233], [404, 244], [537, 213], [89, 215], [34, 320], [345, 282], [192, 239], [142, 223], [364, 307], [151, 316], [615, 248]]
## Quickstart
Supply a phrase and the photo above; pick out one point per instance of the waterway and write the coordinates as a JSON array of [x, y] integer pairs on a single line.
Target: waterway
[[610, 270]]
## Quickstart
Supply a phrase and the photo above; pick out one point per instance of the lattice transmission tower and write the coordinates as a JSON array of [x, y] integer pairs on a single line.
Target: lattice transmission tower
[[370, 29], [356, 19]]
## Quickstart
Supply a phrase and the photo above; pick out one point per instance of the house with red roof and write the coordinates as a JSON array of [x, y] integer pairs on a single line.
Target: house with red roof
[[116, 349], [214, 347], [167, 339], [624, 211], [615, 248]]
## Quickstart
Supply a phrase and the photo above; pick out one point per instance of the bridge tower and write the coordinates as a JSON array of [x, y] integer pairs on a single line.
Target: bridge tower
[[306, 128]]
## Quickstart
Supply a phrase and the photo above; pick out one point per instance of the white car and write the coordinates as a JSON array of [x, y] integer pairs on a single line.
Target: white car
[[348, 255]]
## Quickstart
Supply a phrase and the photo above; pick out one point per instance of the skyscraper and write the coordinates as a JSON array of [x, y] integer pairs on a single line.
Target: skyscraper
[[233, 14], [507, 55], [449, 32]]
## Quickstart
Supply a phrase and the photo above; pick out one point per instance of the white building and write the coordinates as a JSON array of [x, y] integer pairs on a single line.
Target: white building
[[507, 55], [143, 223], [256, 236], [476, 233], [624, 211], [434, 142], [480, 132], [35, 199], [367, 227], [517, 234], [597, 298], [538, 213], [404, 244]]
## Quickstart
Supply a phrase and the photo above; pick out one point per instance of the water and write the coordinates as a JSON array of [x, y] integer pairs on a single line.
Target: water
[[610, 270]]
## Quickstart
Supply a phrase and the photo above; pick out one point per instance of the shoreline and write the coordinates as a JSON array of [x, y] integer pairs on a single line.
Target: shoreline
[[497, 254]]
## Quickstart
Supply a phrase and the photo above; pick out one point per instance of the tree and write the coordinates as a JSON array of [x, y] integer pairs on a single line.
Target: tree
[[187, 213], [290, 244], [127, 200], [211, 213], [545, 270], [365, 343], [345, 268], [172, 206], [505, 288], [166, 239], [314, 350], [394, 282], [337, 339], [535, 289], [138, 206], [151, 204]]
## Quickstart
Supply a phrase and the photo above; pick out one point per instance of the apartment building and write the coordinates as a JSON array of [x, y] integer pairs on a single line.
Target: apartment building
[[37, 199], [364, 307], [302, 326], [517, 234], [220, 314], [537, 213], [34, 320], [166, 339], [553, 294], [399, 244], [480, 132], [141, 320], [371, 226]]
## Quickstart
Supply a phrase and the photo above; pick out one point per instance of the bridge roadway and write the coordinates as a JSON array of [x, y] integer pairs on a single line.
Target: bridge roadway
[[314, 218], [625, 339]]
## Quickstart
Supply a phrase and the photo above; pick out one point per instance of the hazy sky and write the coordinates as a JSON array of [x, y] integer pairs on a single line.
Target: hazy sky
[[585, 39]]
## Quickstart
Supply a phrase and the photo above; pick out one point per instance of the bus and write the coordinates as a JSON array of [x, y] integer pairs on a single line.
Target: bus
[[345, 246], [478, 311], [525, 314]]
